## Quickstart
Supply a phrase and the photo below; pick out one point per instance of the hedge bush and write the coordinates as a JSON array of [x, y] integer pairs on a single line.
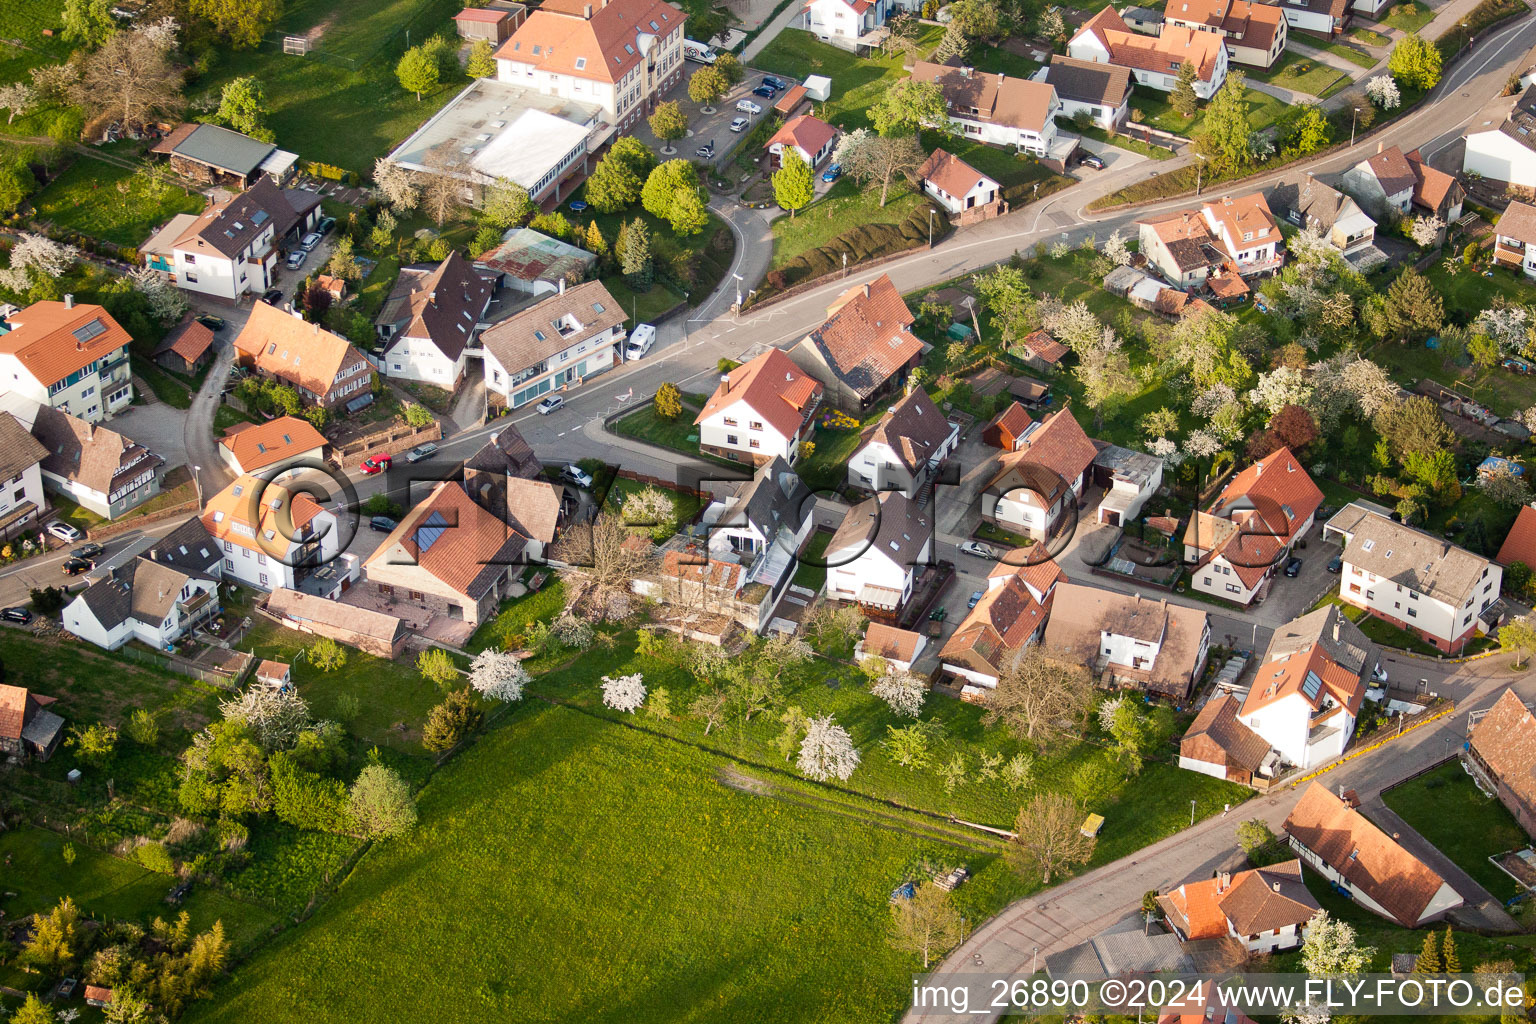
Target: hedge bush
[[865, 242]]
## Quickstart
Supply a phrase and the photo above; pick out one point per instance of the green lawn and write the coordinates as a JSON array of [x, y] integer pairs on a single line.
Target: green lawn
[[1366, 37], [1448, 809], [516, 615], [810, 573], [112, 203], [23, 21], [826, 469], [1409, 16], [679, 434], [1349, 53], [1263, 111], [845, 207], [684, 506], [1303, 74], [226, 417], [860, 80], [1001, 60]]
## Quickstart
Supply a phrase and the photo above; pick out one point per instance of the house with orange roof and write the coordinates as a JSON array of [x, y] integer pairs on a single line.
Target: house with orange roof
[[1037, 486], [494, 22], [760, 411], [324, 368], [1218, 745], [622, 55], [904, 450], [1434, 191], [1246, 231], [1333, 838], [898, 648], [1238, 545], [849, 24], [865, 347], [1255, 33], [1011, 615], [271, 537], [1308, 689], [1237, 236], [27, 727], [68, 356], [1201, 1007], [269, 447], [1266, 909], [1007, 428], [1503, 750], [1154, 61], [1129, 640], [1181, 247], [809, 136], [955, 184], [1000, 110]]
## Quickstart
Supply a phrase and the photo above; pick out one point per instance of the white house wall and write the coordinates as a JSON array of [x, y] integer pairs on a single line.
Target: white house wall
[[1498, 157]]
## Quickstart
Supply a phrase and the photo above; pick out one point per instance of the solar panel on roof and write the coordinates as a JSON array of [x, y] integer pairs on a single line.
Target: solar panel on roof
[[86, 332], [1311, 685], [428, 533]]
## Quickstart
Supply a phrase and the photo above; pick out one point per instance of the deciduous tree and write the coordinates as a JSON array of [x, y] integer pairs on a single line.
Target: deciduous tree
[[1518, 635], [16, 98], [870, 158], [482, 60], [1413, 426], [827, 751], [418, 70], [706, 87], [497, 675], [909, 105], [903, 692], [380, 803], [327, 655], [242, 22], [131, 79], [275, 717], [793, 187], [1038, 697], [624, 693], [669, 401], [1048, 837], [603, 563], [668, 123], [1225, 136], [927, 924], [243, 107], [1006, 295], [1415, 62], [437, 667], [506, 205], [395, 185], [88, 22], [1332, 949]]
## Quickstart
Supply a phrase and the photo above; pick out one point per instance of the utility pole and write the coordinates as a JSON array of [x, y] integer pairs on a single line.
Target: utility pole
[[1352, 126]]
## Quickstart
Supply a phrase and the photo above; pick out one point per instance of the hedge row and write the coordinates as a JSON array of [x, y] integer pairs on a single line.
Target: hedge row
[[865, 242]]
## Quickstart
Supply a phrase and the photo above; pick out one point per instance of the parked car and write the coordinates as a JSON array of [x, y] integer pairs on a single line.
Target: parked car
[[977, 548], [20, 615], [382, 524], [91, 550], [76, 566], [576, 475], [376, 464], [1293, 567], [1092, 160], [774, 82], [309, 241], [740, 124], [832, 173], [765, 92], [208, 320], [66, 533], [421, 451], [748, 107], [325, 225], [706, 151], [296, 259], [272, 296], [549, 405], [975, 599], [1335, 565], [640, 341]]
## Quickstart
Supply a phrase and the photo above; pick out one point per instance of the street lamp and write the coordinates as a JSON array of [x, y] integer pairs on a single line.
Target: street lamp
[[1191, 812], [1199, 171], [1032, 958], [196, 480], [739, 280], [1352, 126], [930, 227]]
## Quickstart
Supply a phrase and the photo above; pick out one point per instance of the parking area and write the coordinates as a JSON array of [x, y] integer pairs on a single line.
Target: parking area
[[159, 427], [705, 128]]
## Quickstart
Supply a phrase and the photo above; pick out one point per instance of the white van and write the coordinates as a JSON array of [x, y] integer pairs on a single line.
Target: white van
[[699, 52], [640, 341]]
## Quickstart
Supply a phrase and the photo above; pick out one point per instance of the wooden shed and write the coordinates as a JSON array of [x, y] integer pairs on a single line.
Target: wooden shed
[[494, 23]]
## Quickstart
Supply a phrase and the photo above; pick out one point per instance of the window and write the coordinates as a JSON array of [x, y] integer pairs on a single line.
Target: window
[[1234, 588], [581, 63], [732, 439], [755, 443], [264, 579], [757, 424], [229, 565], [730, 421], [1413, 613]]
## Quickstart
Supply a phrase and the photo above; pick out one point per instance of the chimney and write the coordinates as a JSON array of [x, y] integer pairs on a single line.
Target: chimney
[[1378, 148], [866, 289], [1277, 887], [69, 300], [1336, 628], [586, 12], [1223, 881], [562, 286]]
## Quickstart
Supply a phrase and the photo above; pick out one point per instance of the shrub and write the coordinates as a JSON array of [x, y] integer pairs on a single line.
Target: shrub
[[451, 722], [156, 857]]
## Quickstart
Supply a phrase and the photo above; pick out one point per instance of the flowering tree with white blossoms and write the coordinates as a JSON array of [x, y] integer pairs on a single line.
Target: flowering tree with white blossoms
[[1115, 249], [626, 693], [275, 716], [1310, 245], [1107, 712], [40, 253], [1383, 92], [1075, 326], [1504, 324], [395, 185], [1202, 444], [1281, 387], [1212, 400], [1166, 450], [827, 751], [498, 675], [167, 303], [903, 691], [1424, 231]]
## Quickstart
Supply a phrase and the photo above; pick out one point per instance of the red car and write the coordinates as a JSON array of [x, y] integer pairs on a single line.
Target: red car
[[376, 464]]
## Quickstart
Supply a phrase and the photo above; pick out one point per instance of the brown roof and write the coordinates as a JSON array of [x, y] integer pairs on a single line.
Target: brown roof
[[1086, 81], [19, 450], [1250, 24], [177, 136], [1271, 500], [1217, 737], [1520, 544], [1002, 621], [1188, 238], [1060, 445], [53, 340], [1321, 644], [913, 428], [1518, 222], [1044, 347], [533, 507], [1505, 739], [256, 446], [891, 643], [1432, 187], [440, 304], [890, 523], [455, 540], [1082, 614], [1034, 566], [807, 132], [1268, 899], [1161, 53], [507, 451], [790, 100], [977, 95], [13, 711], [951, 174], [1244, 215], [867, 337], [526, 338], [274, 670], [1391, 169], [1363, 854], [228, 228], [558, 40], [772, 386], [303, 607], [698, 567], [188, 339], [299, 353], [1014, 419], [87, 453]]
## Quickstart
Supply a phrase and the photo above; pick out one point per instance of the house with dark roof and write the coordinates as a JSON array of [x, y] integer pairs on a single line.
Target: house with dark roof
[[155, 598], [1309, 687], [1499, 146], [186, 348], [91, 465], [876, 556], [1153, 61], [1503, 749], [531, 261], [761, 410], [1129, 640], [234, 247], [865, 347], [506, 453], [1515, 237], [21, 477], [1010, 616], [1242, 541], [224, 157], [1036, 488], [1334, 839], [449, 555], [27, 727], [903, 451], [1383, 183], [1266, 909], [1101, 91], [430, 321], [68, 356], [1255, 33], [1218, 745], [1000, 110], [1306, 202], [567, 338], [763, 524]]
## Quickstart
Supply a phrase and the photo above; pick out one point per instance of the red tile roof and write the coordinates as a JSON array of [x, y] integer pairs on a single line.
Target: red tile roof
[[486, 14], [256, 446], [891, 643], [1217, 737], [1505, 738], [1244, 215], [770, 385], [1162, 53], [1271, 500], [1520, 544], [1431, 186], [1250, 24], [453, 539], [951, 174], [558, 39], [189, 340], [13, 711], [52, 340], [295, 351], [807, 132], [1060, 445], [867, 337], [1013, 420], [1042, 346]]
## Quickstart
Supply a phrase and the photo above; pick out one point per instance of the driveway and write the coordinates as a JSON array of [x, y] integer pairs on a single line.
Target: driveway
[[157, 426]]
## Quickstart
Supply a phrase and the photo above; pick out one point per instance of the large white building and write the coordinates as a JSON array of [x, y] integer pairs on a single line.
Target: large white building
[[1412, 579], [558, 342], [1154, 61], [157, 597], [760, 411], [1499, 145], [621, 55], [849, 24], [69, 357], [997, 109], [270, 537]]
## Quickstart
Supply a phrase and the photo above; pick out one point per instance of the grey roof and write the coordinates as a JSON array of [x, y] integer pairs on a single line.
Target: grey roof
[[530, 336], [775, 498], [19, 450], [141, 589], [1120, 950], [1135, 466], [188, 548], [506, 452], [1430, 565], [1141, 14], [227, 150], [1085, 81], [42, 729], [1521, 122], [890, 523], [1313, 203], [913, 428], [1341, 639]]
